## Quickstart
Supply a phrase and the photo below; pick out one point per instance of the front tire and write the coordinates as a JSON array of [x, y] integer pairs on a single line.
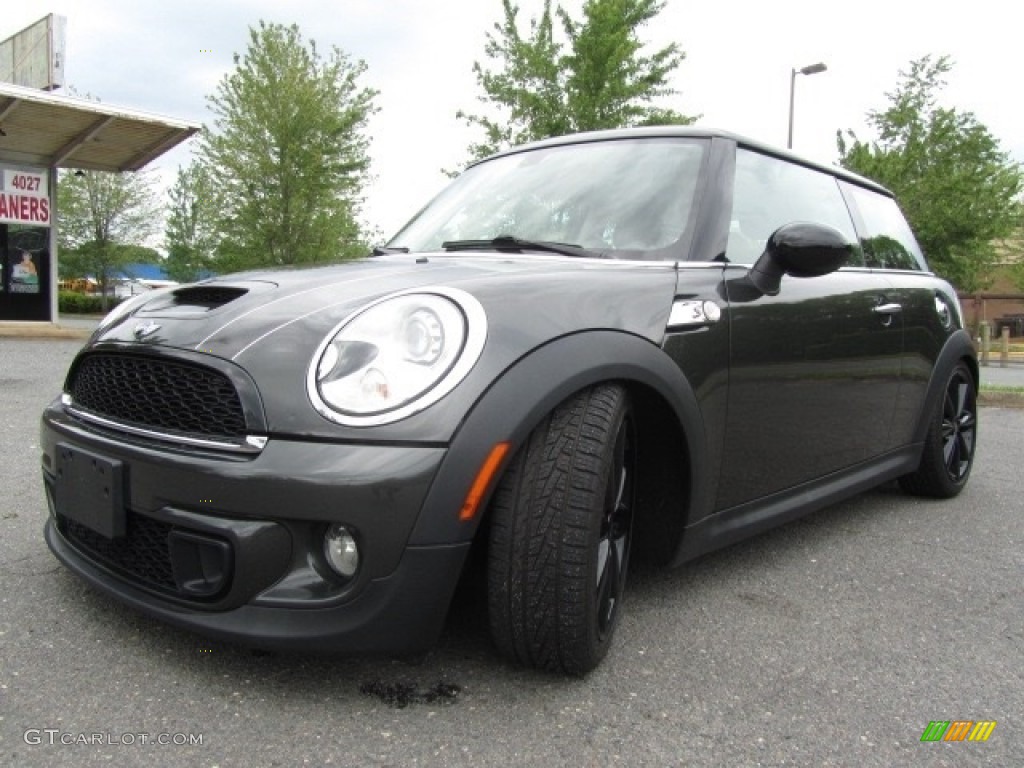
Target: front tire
[[561, 526], [949, 446]]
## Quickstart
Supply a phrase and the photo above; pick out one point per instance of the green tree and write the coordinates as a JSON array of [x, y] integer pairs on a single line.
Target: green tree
[[103, 219], [1016, 248], [958, 189], [599, 77], [1011, 250], [190, 236], [287, 153]]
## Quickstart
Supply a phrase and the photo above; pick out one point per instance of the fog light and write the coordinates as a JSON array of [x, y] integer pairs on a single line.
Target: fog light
[[341, 551]]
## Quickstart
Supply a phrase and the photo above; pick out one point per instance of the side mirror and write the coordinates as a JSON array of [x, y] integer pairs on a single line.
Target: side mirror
[[800, 249]]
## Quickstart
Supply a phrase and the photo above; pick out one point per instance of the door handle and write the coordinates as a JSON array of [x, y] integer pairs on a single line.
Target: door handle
[[888, 309], [887, 312]]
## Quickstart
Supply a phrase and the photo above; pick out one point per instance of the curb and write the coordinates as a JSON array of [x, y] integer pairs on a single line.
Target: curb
[[41, 331]]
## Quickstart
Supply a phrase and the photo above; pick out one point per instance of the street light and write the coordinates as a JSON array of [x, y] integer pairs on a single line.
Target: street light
[[811, 69]]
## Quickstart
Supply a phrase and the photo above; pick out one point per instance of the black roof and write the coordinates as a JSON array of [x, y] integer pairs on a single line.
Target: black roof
[[674, 131]]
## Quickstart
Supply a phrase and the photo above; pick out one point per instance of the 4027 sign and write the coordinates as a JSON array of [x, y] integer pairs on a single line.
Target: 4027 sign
[[24, 197]]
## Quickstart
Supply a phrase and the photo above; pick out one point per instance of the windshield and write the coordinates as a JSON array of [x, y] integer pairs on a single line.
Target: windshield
[[621, 198]]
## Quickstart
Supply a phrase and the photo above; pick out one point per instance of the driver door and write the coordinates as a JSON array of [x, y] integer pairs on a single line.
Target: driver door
[[814, 371]]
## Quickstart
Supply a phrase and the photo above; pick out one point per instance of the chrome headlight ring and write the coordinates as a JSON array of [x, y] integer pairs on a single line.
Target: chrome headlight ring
[[396, 356]]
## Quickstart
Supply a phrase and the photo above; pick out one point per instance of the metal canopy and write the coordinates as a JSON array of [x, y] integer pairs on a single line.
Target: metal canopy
[[55, 131]]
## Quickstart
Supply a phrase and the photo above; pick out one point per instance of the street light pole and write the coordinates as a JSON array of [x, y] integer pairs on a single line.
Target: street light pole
[[810, 69]]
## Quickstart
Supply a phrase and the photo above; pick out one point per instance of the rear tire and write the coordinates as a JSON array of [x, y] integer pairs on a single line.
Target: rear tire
[[949, 446], [561, 526]]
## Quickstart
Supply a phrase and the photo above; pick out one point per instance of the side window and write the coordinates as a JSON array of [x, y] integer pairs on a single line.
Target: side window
[[769, 192], [887, 241]]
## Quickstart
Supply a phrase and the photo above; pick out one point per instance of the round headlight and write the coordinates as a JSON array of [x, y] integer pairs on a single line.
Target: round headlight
[[424, 337], [396, 356]]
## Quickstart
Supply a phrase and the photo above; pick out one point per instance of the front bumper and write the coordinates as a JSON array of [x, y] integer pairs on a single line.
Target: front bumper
[[231, 546], [402, 613]]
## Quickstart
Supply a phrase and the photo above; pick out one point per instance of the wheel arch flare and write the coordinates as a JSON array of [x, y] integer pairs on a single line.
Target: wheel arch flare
[[672, 476]]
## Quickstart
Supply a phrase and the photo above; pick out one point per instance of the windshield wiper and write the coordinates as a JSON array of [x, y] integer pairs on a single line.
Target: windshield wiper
[[518, 244], [384, 250]]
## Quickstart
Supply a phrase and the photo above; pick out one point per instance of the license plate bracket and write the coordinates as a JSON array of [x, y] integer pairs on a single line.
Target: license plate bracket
[[90, 490]]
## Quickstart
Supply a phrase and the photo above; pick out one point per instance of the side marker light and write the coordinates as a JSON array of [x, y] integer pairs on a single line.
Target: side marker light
[[482, 482]]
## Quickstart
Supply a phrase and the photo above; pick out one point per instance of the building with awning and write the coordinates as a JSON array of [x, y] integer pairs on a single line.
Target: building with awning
[[41, 131]]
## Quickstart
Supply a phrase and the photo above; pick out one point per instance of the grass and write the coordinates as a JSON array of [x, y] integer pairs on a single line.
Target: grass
[[1001, 396], [1001, 388]]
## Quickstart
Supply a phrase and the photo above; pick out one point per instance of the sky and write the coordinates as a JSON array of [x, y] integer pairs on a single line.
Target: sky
[[166, 57]]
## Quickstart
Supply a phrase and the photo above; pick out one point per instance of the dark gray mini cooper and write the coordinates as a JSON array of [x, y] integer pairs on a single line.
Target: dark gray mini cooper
[[641, 344]]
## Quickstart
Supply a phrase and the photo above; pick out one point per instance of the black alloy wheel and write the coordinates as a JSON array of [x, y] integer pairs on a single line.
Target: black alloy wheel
[[950, 443], [616, 530], [959, 420]]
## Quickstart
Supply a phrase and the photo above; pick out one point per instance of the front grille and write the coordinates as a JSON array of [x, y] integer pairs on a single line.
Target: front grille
[[162, 395], [142, 553]]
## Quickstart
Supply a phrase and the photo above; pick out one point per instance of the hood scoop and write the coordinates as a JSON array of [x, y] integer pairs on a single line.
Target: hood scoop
[[199, 300], [206, 296]]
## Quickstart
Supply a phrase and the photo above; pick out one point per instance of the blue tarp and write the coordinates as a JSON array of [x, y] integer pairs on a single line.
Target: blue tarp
[[140, 272], [149, 272]]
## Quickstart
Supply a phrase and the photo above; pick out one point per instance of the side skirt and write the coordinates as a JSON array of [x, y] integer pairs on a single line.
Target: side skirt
[[729, 526]]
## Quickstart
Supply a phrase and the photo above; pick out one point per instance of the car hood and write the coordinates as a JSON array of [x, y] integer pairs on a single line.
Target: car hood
[[271, 323], [238, 315]]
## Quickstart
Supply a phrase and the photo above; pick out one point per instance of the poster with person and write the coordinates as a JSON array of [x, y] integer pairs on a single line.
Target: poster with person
[[24, 272]]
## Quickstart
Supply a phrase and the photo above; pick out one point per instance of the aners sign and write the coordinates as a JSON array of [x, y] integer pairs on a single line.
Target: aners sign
[[25, 197]]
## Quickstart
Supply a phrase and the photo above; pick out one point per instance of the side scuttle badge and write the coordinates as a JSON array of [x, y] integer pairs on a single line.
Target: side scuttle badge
[[688, 314]]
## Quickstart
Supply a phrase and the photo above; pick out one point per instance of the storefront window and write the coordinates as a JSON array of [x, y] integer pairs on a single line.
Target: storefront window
[[24, 244]]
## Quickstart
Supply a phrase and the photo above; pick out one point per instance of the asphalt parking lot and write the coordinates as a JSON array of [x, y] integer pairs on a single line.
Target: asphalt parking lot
[[833, 641]]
